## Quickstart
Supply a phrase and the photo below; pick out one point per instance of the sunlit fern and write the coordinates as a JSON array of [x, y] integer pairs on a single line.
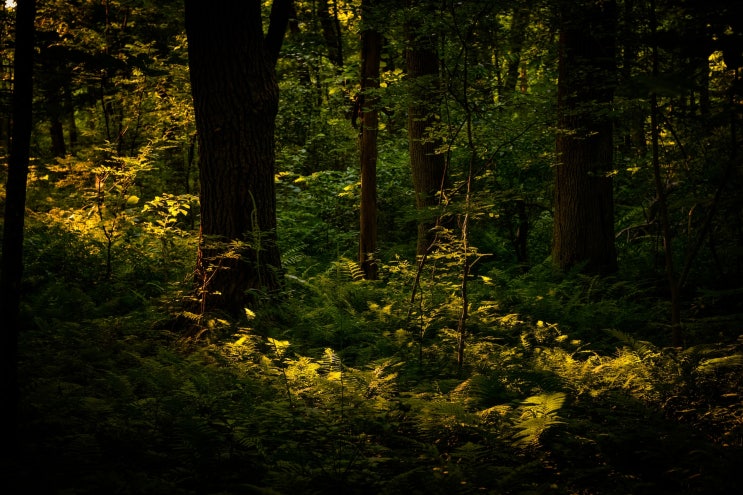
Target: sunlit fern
[[347, 270], [534, 416], [713, 364], [642, 348]]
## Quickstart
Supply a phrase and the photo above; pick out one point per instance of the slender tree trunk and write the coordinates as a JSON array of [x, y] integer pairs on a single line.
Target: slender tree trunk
[[584, 216], [371, 45], [15, 206], [427, 166], [56, 132], [635, 142], [331, 31], [71, 122], [51, 89], [673, 284], [235, 96], [519, 23], [521, 238], [660, 190]]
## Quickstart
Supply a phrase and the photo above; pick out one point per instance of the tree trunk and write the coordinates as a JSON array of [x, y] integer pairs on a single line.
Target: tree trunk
[[331, 31], [51, 83], [6, 76], [71, 122], [521, 236], [584, 217], [634, 139], [236, 101], [428, 167], [15, 207], [56, 132], [371, 45], [519, 23]]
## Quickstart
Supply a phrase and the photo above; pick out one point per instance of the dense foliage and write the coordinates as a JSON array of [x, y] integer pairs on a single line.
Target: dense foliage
[[556, 381]]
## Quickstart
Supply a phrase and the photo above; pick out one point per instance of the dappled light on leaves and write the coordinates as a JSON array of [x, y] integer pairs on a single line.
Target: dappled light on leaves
[[475, 361]]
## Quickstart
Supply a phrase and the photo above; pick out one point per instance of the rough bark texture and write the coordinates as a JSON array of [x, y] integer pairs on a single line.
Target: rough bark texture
[[427, 167], [15, 207], [584, 218], [236, 100], [371, 46]]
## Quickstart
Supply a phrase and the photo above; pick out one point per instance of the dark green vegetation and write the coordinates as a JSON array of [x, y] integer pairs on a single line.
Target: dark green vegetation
[[568, 382]]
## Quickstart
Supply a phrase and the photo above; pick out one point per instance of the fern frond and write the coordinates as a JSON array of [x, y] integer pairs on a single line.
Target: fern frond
[[714, 364], [292, 256], [641, 347], [330, 361], [354, 270], [536, 414], [483, 390]]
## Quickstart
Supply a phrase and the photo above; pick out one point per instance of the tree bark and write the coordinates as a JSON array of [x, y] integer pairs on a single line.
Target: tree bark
[[52, 83], [235, 93], [584, 217], [70, 114], [516, 37], [371, 46], [427, 167], [331, 31], [15, 207]]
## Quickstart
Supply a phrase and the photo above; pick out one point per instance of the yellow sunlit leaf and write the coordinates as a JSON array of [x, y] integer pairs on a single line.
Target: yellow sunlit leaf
[[278, 344]]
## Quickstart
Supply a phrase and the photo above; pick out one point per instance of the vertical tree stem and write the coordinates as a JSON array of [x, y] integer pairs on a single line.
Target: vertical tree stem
[[673, 285]]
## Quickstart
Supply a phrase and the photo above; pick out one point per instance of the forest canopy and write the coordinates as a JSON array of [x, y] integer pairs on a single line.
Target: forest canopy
[[372, 246]]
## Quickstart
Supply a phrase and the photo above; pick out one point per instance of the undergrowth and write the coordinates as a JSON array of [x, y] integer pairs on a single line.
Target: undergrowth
[[349, 387]]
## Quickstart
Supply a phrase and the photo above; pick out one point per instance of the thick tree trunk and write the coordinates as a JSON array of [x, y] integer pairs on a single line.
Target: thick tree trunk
[[371, 46], [584, 217], [15, 207], [236, 100], [427, 167]]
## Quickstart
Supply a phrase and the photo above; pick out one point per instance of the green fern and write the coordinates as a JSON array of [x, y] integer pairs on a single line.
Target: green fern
[[354, 270], [642, 348], [714, 364], [534, 416]]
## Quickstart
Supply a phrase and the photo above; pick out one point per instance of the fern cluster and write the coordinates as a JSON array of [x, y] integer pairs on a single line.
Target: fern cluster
[[351, 386]]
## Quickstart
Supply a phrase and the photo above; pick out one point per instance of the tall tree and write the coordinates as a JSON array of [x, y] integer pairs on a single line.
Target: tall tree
[[6, 76], [331, 30], [371, 47], [516, 37], [427, 166], [584, 217], [15, 205], [235, 93]]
